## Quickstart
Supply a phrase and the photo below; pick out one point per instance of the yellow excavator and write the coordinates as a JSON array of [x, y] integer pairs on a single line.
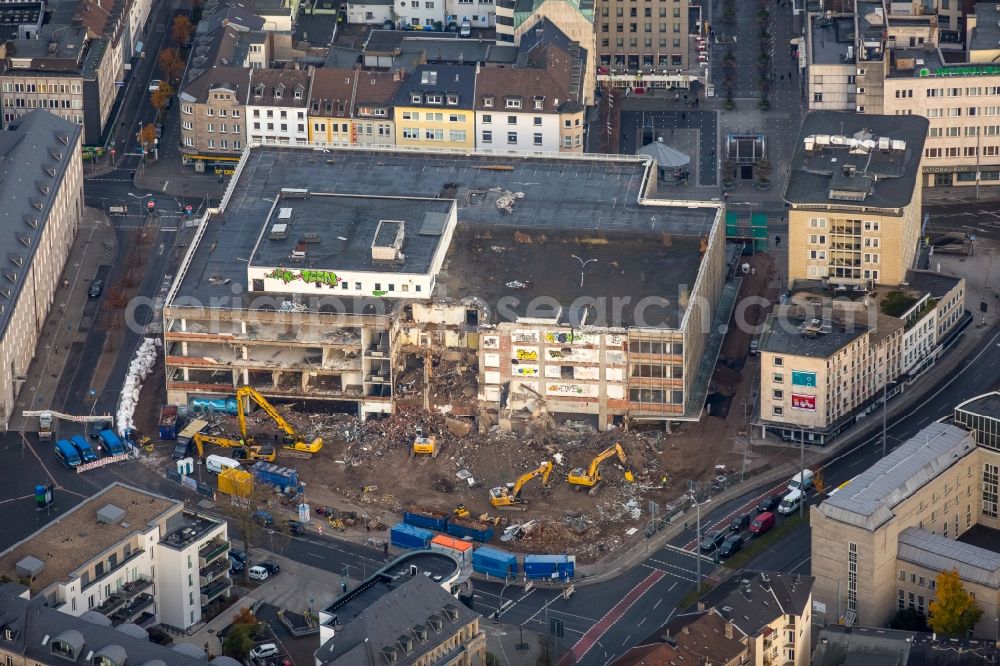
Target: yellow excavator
[[291, 439], [509, 496], [243, 449], [591, 477]]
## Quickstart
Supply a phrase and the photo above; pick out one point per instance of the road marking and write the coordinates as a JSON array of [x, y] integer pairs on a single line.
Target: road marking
[[165, 183], [672, 587], [660, 601], [800, 564], [673, 566], [689, 553], [594, 634], [314, 554], [625, 642]]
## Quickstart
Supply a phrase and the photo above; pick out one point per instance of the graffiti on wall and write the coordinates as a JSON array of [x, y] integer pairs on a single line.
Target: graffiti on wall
[[572, 390], [524, 336], [522, 354], [308, 275], [525, 371], [491, 342]]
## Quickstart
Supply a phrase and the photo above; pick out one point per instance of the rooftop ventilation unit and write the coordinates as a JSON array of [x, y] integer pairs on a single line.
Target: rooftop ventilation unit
[[898, 145], [294, 193], [388, 242], [883, 144], [29, 567], [278, 232], [110, 514]]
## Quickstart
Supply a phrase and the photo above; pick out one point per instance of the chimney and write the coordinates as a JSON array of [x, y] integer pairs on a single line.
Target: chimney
[[701, 606], [729, 629], [686, 629]]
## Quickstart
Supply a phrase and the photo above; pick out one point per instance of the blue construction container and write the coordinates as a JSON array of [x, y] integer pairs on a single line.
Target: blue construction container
[[494, 562], [431, 520], [473, 529], [407, 536], [559, 567], [276, 475]]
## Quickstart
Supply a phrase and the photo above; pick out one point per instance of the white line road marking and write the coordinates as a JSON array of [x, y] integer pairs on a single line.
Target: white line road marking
[[672, 587], [658, 602], [625, 642]]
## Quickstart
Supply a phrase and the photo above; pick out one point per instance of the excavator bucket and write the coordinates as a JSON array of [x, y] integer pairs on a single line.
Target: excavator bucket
[[629, 476]]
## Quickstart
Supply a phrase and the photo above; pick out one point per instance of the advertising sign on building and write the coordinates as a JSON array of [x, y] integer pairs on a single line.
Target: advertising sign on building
[[807, 402], [802, 378]]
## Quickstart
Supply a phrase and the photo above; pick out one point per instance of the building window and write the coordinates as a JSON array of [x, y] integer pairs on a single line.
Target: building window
[[487, 136], [852, 577], [778, 378], [991, 473], [512, 137], [777, 410], [777, 394], [779, 361]]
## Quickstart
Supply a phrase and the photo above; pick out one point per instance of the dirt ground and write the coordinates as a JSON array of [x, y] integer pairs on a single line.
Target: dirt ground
[[368, 466]]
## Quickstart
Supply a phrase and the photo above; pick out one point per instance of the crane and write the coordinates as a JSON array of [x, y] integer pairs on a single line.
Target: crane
[[292, 440], [244, 449], [510, 495], [591, 477]]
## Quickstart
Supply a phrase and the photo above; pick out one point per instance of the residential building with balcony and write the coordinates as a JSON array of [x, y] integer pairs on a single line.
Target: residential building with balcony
[[855, 198], [213, 115], [128, 555], [276, 106], [434, 108], [930, 505], [41, 185]]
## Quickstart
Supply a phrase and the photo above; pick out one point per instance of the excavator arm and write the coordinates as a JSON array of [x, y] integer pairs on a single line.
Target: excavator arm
[[200, 439], [292, 439], [591, 477], [544, 471]]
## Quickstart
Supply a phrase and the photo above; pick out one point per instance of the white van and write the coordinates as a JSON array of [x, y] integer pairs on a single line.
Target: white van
[[790, 503], [216, 464], [258, 573]]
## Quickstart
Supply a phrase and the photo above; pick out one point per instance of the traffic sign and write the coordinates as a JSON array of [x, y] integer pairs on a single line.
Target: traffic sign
[[151, 205], [188, 209]]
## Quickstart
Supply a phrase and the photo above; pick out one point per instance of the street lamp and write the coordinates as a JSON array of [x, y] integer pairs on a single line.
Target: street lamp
[[583, 265], [500, 603], [697, 546]]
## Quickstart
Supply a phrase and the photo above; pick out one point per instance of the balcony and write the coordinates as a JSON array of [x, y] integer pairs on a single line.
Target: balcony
[[211, 551], [132, 610], [112, 604], [213, 571], [85, 583], [213, 590], [130, 590]]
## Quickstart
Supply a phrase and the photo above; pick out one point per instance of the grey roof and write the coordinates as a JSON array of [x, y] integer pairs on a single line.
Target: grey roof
[[843, 176], [391, 41], [133, 630], [31, 623], [861, 646], [116, 653], [931, 282], [462, 51], [188, 649], [830, 38], [581, 193], [72, 638], [783, 335], [440, 79], [665, 156], [233, 79], [341, 57], [345, 228], [938, 553], [414, 601], [754, 599], [97, 618], [987, 404], [867, 501], [34, 157], [223, 660], [986, 34]]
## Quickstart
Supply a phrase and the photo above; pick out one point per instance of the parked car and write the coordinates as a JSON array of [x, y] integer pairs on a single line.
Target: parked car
[[731, 546], [238, 555], [713, 540], [235, 566], [740, 523], [296, 527], [754, 346], [465, 30], [154, 85], [96, 288], [272, 567], [770, 503], [263, 518], [762, 523], [258, 573], [95, 428], [264, 651]]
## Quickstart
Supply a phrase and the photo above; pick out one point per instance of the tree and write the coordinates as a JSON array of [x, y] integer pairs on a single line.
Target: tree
[[181, 31], [909, 619], [147, 137], [246, 616], [239, 641], [954, 612], [160, 98], [246, 501], [171, 64]]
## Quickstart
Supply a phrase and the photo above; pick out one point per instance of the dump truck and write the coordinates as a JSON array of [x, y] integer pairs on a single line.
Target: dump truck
[[425, 444]]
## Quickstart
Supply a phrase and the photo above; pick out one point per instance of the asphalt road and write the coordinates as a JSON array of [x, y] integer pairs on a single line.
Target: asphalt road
[[981, 219]]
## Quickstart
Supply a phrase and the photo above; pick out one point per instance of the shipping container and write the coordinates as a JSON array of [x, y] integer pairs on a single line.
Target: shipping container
[[408, 536], [276, 475], [111, 443], [431, 520], [560, 567], [474, 529], [190, 430], [494, 562], [236, 482], [168, 422], [455, 547]]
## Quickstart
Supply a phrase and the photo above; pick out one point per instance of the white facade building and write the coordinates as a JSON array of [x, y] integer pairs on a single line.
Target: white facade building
[[277, 105], [517, 131], [479, 13], [422, 13], [373, 12]]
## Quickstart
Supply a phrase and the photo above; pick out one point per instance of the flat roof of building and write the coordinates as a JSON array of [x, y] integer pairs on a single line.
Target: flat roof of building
[[830, 39], [867, 501], [579, 193], [931, 282], [974, 563], [908, 63], [351, 605], [987, 405], [186, 529], [793, 335], [538, 275], [986, 34], [878, 171], [342, 229], [76, 538]]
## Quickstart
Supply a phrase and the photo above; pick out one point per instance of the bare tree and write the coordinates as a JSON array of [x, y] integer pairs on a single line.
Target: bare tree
[[247, 500]]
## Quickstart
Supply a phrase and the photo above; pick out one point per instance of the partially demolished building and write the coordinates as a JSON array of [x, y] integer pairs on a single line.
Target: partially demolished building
[[378, 278]]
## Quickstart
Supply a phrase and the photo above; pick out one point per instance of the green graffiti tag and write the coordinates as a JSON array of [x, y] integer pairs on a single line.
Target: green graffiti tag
[[322, 277]]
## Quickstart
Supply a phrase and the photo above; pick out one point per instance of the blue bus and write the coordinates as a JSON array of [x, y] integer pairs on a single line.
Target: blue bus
[[67, 454], [83, 448]]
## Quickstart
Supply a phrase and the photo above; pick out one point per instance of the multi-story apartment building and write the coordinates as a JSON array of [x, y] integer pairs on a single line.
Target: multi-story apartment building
[[419, 14], [879, 543], [855, 198], [434, 108], [213, 123], [276, 106], [129, 555], [41, 185], [479, 13], [352, 258], [642, 36], [331, 106], [374, 123]]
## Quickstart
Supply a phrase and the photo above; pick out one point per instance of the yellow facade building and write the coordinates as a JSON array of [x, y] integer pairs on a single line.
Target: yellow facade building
[[434, 108]]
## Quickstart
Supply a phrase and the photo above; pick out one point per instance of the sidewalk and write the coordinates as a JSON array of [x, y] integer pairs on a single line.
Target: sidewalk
[[967, 194], [169, 176], [95, 245]]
